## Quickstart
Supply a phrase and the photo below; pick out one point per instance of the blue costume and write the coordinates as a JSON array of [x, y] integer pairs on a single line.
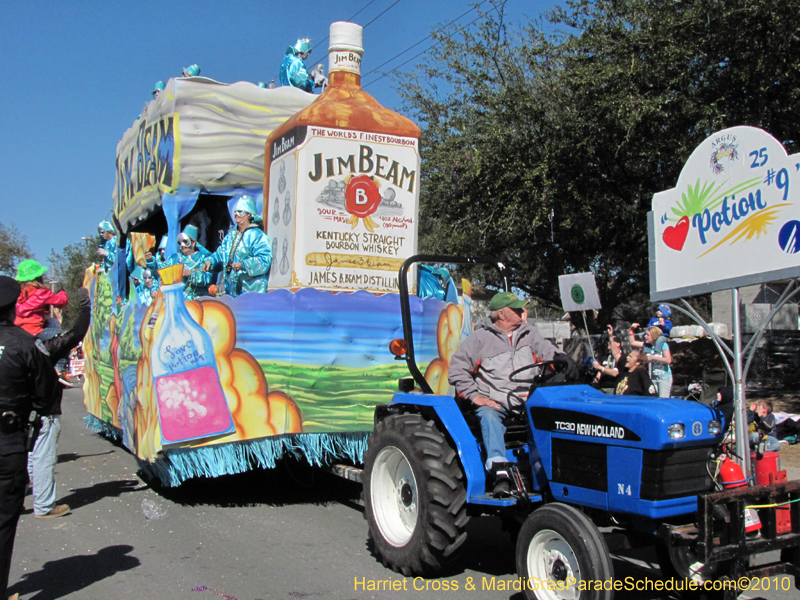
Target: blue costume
[[663, 322], [146, 293], [110, 246], [251, 248], [293, 69], [196, 284], [153, 266]]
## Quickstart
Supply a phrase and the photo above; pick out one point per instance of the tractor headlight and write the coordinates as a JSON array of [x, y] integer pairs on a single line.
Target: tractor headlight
[[676, 431], [714, 427]]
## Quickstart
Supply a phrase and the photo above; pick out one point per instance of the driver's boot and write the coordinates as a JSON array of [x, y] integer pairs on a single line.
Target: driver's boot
[[501, 477]]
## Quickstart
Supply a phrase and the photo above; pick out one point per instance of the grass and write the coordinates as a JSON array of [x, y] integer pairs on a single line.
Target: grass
[[335, 399]]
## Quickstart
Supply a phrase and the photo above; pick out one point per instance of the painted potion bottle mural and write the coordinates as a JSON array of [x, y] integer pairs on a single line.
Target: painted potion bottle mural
[[342, 185], [191, 403]]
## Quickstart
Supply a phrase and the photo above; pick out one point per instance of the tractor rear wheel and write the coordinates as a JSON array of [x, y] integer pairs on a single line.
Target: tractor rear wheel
[[560, 550], [414, 495]]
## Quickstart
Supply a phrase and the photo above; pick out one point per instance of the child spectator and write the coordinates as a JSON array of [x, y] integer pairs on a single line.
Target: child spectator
[[661, 320], [761, 424], [35, 300], [657, 350]]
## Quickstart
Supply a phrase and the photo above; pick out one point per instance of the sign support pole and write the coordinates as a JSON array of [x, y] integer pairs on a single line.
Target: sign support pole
[[588, 337], [742, 435]]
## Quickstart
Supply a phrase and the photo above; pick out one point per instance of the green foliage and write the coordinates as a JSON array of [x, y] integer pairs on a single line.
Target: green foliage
[[544, 146], [127, 348], [101, 313], [68, 267], [13, 249]]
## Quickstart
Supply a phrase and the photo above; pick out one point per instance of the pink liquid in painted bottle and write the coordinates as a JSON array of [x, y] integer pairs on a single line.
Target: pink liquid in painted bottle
[[191, 403]]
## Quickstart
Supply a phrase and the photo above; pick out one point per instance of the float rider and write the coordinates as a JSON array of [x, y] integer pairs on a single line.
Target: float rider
[[245, 254], [146, 285], [192, 256], [293, 69], [159, 87], [481, 371], [109, 248], [191, 71]]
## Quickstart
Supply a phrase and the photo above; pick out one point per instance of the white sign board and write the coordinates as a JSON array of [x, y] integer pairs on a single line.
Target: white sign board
[[733, 218], [578, 292]]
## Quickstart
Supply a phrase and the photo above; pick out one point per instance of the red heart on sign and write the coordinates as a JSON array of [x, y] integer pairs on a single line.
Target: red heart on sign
[[675, 237]]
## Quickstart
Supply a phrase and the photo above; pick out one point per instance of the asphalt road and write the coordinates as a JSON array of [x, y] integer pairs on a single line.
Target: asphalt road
[[290, 533]]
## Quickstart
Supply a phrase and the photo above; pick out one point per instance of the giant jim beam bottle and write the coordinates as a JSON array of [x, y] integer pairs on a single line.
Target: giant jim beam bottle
[[342, 184], [189, 396]]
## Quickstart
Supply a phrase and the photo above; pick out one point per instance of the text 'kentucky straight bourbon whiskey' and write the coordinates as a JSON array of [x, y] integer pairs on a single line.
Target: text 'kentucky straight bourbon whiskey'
[[342, 184]]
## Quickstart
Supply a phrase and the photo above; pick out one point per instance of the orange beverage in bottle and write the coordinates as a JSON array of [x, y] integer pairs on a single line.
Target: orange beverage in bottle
[[341, 187]]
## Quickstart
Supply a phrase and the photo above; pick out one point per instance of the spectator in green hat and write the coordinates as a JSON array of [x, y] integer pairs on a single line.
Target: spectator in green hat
[[35, 299]]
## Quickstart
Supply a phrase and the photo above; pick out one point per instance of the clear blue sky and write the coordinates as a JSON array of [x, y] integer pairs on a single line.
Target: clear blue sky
[[75, 74]]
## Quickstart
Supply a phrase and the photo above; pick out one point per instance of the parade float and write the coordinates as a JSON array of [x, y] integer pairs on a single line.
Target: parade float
[[223, 384]]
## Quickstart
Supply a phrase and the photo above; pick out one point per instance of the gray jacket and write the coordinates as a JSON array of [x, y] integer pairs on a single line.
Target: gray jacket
[[498, 357]]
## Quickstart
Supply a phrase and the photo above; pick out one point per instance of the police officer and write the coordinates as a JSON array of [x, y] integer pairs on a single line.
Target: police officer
[[27, 382]]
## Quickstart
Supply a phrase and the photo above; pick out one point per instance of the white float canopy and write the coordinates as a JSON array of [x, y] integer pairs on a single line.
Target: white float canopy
[[198, 136]]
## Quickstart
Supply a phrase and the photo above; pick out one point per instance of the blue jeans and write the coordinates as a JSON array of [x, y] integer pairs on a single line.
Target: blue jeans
[[771, 444], [49, 333], [42, 465], [663, 384], [494, 432]]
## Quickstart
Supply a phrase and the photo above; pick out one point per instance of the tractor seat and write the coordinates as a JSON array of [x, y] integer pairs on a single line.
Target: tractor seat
[[515, 423]]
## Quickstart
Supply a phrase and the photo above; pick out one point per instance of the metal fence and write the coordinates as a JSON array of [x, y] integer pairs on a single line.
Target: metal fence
[[776, 360]]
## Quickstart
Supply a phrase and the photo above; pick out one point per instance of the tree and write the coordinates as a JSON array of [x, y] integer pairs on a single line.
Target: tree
[[545, 149], [13, 249], [68, 267]]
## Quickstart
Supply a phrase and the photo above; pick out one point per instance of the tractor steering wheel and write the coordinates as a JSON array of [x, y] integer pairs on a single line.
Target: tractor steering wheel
[[537, 378]]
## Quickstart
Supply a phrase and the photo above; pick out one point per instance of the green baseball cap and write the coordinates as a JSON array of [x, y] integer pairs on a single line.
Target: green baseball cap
[[28, 270], [505, 300]]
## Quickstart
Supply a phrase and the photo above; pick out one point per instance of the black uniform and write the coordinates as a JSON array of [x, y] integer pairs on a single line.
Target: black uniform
[[59, 347], [27, 382]]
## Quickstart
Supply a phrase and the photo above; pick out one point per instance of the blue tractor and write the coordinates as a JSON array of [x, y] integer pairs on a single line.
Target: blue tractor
[[584, 460]]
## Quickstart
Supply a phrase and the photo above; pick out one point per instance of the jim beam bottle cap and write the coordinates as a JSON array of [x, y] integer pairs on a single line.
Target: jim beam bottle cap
[[345, 50]]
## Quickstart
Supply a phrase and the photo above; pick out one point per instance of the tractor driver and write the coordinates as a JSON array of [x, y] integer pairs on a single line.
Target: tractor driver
[[480, 371]]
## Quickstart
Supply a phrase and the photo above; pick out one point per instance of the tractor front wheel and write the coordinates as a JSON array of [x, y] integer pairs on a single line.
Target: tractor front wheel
[[561, 555]]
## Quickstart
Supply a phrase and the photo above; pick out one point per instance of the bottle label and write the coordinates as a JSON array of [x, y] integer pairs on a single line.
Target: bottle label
[[344, 60], [191, 405], [357, 219]]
